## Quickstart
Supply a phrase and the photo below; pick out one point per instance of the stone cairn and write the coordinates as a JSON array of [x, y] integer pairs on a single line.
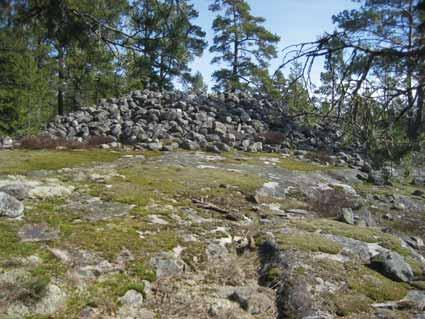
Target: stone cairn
[[165, 121]]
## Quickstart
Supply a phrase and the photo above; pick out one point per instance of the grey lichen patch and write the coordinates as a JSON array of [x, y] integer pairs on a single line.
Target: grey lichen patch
[[94, 209]]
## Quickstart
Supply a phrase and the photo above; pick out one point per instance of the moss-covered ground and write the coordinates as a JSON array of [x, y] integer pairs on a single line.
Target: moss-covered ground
[[22, 161], [166, 190]]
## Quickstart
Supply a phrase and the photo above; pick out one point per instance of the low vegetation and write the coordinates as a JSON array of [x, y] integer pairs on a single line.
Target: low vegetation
[[22, 162]]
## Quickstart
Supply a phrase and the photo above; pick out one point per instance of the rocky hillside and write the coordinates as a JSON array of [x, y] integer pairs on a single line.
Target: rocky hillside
[[105, 234], [166, 121]]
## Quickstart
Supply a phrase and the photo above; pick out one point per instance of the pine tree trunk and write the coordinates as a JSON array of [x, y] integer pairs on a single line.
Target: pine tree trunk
[[61, 74], [235, 70], [419, 118]]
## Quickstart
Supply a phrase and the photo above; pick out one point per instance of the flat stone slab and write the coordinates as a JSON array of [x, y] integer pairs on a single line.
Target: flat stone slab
[[37, 233], [23, 187], [94, 209]]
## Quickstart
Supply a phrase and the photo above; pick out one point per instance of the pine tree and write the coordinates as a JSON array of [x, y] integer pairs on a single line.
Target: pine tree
[[70, 30], [195, 83], [25, 96], [241, 43], [168, 41], [297, 96], [381, 66]]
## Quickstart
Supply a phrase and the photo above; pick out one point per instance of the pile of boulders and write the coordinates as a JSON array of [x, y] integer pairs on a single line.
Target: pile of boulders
[[169, 120]]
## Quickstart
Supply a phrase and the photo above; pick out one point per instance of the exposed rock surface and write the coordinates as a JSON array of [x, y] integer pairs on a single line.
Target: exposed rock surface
[[183, 235]]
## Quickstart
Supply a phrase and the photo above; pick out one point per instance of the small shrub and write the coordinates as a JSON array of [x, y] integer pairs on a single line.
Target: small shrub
[[36, 287], [320, 156], [41, 142], [45, 142], [273, 137], [94, 141], [38, 142], [26, 290]]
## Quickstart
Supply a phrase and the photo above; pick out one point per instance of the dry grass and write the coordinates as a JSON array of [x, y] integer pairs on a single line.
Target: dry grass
[[273, 137]]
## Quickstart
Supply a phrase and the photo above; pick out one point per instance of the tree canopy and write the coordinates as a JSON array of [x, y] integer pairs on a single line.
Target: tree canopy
[[57, 56], [242, 43]]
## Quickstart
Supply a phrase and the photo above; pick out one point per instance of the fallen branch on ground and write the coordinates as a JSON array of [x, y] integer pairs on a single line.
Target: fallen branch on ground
[[209, 206]]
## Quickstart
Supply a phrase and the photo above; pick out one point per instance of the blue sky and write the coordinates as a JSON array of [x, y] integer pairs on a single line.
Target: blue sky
[[294, 21]]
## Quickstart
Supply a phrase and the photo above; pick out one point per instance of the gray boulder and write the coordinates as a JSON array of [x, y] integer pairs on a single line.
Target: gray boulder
[[6, 142], [190, 145], [256, 147], [253, 299], [132, 307], [168, 265], [10, 207], [347, 216], [393, 266], [19, 190]]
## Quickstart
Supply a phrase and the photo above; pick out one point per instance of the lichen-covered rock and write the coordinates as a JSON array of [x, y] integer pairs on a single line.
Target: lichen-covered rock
[[18, 190], [167, 265], [37, 233], [347, 216], [393, 266], [132, 307], [252, 299], [10, 207]]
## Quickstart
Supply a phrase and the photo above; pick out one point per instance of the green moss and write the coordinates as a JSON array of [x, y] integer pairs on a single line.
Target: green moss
[[105, 237], [146, 183], [21, 161], [172, 179], [367, 282], [77, 301], [418, 285], [308, 242], [140, 270], [366, 234], [10, 244], [346, 304], [295, 165], [101, 237], [397, 188], [28, 288], [417, 266], [36, 286], [110, 239], [108, 291], [288, 163], [273, 274]]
